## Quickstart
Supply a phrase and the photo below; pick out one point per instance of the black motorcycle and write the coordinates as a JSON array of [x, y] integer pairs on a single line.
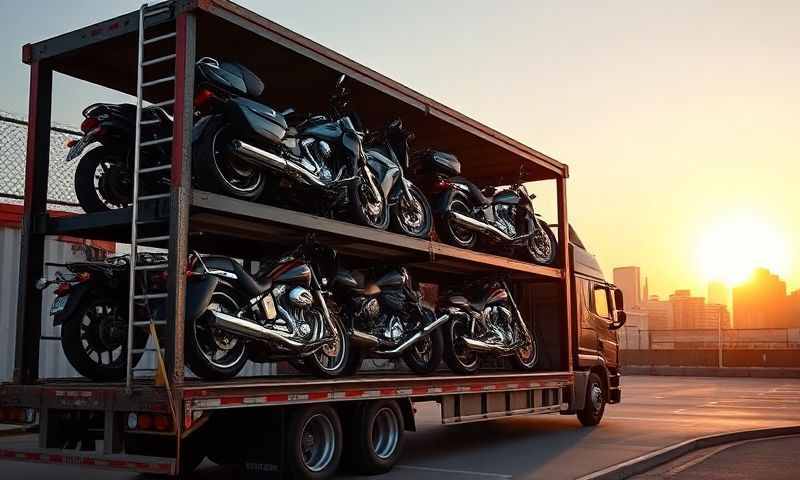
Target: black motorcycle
[[280, 313], [320, 155], [490, 325], [91, 306], [501, 217], [386, 319], [388, 155]]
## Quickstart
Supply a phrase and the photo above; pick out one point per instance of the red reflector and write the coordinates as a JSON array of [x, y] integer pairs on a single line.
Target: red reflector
[[441, 185], [63, 289], [71, 143], [89, 124], [145, 421], [161, 423], [202, 97]]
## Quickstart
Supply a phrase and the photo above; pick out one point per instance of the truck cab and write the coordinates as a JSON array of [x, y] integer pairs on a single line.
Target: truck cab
[[598, 312]]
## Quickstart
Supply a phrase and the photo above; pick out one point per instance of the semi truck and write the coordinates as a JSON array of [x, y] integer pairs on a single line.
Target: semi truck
[[289, 424]]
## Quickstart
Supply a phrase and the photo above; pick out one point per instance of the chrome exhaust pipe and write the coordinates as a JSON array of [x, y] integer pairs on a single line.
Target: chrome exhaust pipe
[[416, 337], [363, 339], [245, 328], [265, 159], [483, 347], [477, 225]]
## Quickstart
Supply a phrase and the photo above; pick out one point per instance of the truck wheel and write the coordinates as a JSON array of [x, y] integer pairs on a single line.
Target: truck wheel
[[376, 439], [314, 446], [595, 404]]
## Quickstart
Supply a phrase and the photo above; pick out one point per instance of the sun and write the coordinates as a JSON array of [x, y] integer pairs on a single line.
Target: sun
[[732, 246]]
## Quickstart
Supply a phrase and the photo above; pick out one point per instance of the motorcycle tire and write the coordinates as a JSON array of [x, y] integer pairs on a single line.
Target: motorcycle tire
[[423, 230], [454, 200], [547, 257], [218, 171], [417, 362], [89, 198], [456, 356], [316, 363], [358, 207], [74, 331], [229, 298], [528, 359]]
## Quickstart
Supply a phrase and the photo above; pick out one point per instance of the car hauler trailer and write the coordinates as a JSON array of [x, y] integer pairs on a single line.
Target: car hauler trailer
[[269, 423]]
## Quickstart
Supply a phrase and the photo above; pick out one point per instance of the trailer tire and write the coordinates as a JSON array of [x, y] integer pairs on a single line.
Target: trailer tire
[[375, 437], [595, 404], [314, 442]]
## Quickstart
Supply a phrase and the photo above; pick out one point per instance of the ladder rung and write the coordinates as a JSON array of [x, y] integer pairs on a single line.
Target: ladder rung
[[157, 11], [146, 323], [148, 296], [159, 238], [159, 38], [160, 80], [150, 143], [164, 103], [153, 197], [155, 169], [143, 350], [158, 266], [150, 122], [158, 60]]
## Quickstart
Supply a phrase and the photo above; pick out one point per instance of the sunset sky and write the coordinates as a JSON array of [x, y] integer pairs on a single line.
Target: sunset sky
[[680, 121]]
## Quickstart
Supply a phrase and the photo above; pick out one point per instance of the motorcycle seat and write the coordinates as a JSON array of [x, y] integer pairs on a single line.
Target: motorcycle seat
[[475, 193], [251, 285], [355, 282]]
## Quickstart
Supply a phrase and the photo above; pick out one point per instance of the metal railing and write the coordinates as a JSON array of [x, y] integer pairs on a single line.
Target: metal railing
[[710, 339]]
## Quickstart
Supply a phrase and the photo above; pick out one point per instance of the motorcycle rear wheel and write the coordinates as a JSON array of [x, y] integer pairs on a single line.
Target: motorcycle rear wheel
[[457, 356], [104, 191], [451, 233]]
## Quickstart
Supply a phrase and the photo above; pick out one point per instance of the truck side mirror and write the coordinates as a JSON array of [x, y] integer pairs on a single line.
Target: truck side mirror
[[620, 317]]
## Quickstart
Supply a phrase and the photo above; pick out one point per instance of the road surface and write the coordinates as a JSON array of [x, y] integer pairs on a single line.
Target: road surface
[[655, 412]]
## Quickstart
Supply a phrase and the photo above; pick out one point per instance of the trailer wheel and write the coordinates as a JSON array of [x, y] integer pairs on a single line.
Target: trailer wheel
[[314, 446], [376, 437], [595, 403]]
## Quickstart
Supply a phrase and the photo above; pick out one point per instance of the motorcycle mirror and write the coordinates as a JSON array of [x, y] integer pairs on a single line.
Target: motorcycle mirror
[[42, 283]]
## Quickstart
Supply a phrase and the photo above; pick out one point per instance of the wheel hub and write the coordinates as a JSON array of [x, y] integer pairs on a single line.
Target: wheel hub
[[596, 395]]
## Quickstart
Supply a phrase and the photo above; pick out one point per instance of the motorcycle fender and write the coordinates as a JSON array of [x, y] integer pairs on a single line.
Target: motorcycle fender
[[255, 120], [76, 295], [352, 144], [386, 173], [198, 295], [200, 127], [88, 139], [440, 201]]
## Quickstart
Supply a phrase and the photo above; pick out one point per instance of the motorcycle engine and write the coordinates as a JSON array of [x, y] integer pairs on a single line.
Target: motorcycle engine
[[392, 328], [504, 219], [316, 157], [294, 312], [498, 325]]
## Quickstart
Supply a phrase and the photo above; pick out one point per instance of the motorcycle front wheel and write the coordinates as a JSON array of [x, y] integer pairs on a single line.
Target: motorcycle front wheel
[[541, 247], [211, 353], [527, 357], [412, 218], [425, 356], [367, 210], [333, 358], [218, 169], [102, 182]]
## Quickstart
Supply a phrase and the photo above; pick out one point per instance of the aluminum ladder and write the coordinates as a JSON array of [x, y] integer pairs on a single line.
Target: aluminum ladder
[[142, 299]]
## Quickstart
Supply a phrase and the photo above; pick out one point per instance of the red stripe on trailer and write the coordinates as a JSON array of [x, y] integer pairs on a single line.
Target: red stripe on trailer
[[354, 393], [318, 396], [278, 397], [449, 388], [388, 391], [419, 391], [231, 400]]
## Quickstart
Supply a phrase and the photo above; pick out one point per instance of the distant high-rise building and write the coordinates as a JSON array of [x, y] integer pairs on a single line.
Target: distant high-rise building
[[761, 302], [717, 293], [628, 280], [714, 316], [687, 311], [659, 313]]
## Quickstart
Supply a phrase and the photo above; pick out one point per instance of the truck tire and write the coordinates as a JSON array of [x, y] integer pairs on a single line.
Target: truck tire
[[595, 403], [375, 437], [314, 442]]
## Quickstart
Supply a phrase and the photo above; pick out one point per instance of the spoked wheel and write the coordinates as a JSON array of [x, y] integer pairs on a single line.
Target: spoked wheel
[[451, 232], [314, 446], [527, 356], [332, 359], [377, 435], [94, 340], [102, 182], [458, 357], [425, 356], [412, 217], [219, 169], [211, 352], [369, 208], [541, 247]]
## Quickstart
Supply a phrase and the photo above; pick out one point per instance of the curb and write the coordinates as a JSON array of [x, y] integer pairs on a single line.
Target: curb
[[651, 460]]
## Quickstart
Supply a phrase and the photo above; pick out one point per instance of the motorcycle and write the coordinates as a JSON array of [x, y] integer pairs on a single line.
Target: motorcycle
[[499, 216], [491, 325], [91, 307], [386, 319], [320, 155], [280, 313], [388, 156]]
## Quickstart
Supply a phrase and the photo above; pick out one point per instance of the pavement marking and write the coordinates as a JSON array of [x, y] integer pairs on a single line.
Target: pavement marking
[[458, 472], [680, 468]]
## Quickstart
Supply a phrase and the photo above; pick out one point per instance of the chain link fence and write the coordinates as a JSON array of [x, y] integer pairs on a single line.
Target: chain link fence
[[13, 149]]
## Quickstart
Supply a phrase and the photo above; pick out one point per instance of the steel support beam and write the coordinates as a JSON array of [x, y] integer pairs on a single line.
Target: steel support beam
[[31, 264], [180, 192], [566, 269]]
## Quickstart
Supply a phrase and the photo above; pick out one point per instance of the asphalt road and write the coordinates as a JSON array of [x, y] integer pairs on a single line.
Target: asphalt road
[[655, 412]]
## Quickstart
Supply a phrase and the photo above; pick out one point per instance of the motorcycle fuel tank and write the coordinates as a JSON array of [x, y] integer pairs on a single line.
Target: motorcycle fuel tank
[[330, 131], [507, 197], [497, 296], [294, 273], [393, 279], [256, 120]]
